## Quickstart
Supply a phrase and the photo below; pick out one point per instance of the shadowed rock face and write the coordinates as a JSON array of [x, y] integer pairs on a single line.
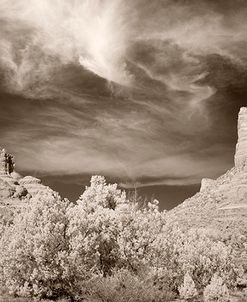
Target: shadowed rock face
[[241, 148]]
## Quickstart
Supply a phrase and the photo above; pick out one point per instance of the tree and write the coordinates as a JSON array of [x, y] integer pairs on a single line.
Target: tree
[[216, 290], [94, 227], [187, 290], [108, 231]]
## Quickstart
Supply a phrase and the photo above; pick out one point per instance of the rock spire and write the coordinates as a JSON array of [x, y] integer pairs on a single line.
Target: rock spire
[[241, 147], [6, 163]]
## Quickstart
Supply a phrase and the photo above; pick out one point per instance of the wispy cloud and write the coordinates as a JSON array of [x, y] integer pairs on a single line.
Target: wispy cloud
[[37, 38], [125, 145], [134, 87], [93, 34]]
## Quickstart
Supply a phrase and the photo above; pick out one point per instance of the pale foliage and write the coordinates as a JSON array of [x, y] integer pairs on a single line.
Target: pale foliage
[[105, 240], [216, 290], [107, 231], [187, 290], [193, 252], [34, 250], [94, 227], [137, 236], [124, 286]]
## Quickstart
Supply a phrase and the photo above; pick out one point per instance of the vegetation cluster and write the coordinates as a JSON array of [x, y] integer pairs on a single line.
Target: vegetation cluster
[[109, 247]]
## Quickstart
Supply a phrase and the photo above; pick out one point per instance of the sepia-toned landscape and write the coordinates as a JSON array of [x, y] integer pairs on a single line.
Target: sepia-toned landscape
[[123, 151], [112, 247]]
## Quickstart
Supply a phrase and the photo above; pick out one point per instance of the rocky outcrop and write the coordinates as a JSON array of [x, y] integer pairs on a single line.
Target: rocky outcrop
[[206, 183], [9, 185], [16, 190], [221, 203], [14, 187], [241, 148], [6, 163], [34, 186]]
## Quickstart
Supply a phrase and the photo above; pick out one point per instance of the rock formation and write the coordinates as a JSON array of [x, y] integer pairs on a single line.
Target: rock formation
[[241, 148], [14, 187], [221, 203], [34, 186], [206, 183], [15, 190], [6, 163]]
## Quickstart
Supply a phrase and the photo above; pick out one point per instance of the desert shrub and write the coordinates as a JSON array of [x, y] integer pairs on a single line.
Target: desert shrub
[[238, 243], [55, 249], [125, 286], [195, 252], [216, 290], [188, 290], [34, 250], [107, 231], [137, 236], [94, 227]]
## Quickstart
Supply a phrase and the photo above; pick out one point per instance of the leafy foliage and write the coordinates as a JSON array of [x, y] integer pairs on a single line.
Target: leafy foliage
[[125, 286], [187, 290], [216, 290], [108, 247], [34, 249]]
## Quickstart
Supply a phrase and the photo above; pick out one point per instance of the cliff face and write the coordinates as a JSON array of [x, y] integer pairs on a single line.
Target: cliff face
[[241, 148], [221, 203]]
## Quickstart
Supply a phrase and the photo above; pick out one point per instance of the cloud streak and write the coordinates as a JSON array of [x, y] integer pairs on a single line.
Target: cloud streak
[[127, 146]]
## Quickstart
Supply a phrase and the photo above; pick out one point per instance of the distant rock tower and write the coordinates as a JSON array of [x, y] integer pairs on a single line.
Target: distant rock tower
[[241, 148], [6, 163]]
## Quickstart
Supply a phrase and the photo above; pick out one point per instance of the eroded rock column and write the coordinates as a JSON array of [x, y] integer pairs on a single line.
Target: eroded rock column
[[241, 147], [6, 163]]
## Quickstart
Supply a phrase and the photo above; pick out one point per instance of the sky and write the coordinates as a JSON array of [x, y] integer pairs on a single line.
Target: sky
[[143, 92]]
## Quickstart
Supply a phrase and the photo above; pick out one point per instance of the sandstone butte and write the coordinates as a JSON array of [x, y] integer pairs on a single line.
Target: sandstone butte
[[221, 204]]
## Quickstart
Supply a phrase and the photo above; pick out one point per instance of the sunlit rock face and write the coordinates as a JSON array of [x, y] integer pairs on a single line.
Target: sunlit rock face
[[206, 183], [16, 190], [221, 204], [14, 187], [34, 186], [241, 148]]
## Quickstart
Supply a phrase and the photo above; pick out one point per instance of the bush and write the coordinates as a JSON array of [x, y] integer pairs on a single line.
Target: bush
[[187, 290], [216, 290], [107, 231], [195, 252], [34, 250], [110, 248], [125, 286]]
